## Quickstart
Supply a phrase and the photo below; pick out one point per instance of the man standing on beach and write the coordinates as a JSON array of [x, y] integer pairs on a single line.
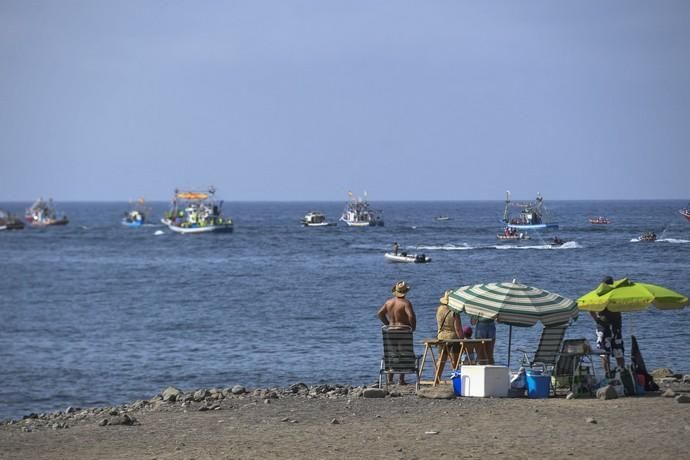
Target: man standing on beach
[[609, 333], [397, 313]]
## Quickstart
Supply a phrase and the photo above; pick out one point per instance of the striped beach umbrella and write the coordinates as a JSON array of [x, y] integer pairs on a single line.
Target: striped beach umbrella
[[513, 303]]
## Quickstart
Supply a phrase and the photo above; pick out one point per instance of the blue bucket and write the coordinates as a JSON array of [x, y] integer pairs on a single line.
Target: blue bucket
[[538, 386], [456, 377]]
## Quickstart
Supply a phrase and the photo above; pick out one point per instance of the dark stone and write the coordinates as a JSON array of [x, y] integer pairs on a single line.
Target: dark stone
[[374, 393], [171, 394], [607, 392], [683, 399]]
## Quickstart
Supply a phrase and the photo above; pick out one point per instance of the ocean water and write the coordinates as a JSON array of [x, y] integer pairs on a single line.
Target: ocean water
[[95, 313]]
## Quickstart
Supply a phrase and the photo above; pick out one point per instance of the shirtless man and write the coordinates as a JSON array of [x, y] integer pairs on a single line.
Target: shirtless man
[[397, 312]]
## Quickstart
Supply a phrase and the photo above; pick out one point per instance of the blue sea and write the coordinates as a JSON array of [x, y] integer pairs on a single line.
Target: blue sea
[[95, 313]]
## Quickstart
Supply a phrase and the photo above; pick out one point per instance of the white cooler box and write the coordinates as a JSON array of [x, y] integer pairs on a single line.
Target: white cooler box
[[483, 381]]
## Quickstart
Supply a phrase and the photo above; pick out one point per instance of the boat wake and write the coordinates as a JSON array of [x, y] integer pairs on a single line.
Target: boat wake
[[467, 247], [673, 240], [446, 247], [159, 232], [566, 245]]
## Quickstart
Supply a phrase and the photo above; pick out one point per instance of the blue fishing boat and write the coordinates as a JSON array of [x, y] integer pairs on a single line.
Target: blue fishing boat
[[531, 215]]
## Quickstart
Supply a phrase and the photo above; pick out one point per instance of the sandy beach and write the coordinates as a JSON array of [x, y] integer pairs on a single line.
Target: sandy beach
[[338, 422]]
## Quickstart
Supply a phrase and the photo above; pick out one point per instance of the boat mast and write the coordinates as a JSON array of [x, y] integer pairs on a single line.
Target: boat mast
[[506, 211]]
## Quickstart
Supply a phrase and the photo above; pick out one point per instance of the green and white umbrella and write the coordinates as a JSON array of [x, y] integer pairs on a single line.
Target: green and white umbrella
[[514, 304]]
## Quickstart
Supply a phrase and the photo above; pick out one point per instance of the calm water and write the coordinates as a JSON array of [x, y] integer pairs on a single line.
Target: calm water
[[95, 313]]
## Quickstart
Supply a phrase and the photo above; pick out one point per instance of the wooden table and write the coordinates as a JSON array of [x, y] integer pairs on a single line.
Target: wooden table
[[471, 351]]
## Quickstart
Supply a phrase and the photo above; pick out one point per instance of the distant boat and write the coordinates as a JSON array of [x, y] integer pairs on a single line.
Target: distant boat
[[647, 236], [137, 216], [42, 213], [407, 258], [315, 219], [442, 218], [685, 212], [197, 212], [9, 222], [531, 216], [599, 220], [358, 213]]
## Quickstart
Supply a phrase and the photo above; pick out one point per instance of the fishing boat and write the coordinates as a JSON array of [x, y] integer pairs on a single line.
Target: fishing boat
[[404, 257], [9, 222], [531, 215], [42, 213], [599, 220], [685, 212], [137, 216], [315, 219], [197, 212], [510, 234], [358, 213]]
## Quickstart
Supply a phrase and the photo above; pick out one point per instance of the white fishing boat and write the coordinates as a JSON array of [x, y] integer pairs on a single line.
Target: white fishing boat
[[197, 212], [315, 219], [403, 257], [42, 213], [358, 213], [531, 215]]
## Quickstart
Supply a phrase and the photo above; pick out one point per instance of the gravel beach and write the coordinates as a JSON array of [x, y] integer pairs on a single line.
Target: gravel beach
[[332, 421]]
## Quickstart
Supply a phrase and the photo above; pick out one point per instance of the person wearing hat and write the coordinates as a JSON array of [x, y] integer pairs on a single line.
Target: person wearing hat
[[609, 331], [449, 326], [397, 313]]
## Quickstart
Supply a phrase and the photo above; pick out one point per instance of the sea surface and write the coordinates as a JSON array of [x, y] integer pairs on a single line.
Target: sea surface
[[95, 313]]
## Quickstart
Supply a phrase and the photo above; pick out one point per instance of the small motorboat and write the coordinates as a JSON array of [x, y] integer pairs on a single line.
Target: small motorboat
[[137, 216], [510, 234], [441, 218], [647, 236], [315, 219], [599, 220], [407, 258]]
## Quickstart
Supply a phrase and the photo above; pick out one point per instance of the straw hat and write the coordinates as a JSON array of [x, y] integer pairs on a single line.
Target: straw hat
[[444, 299], [400, 289]]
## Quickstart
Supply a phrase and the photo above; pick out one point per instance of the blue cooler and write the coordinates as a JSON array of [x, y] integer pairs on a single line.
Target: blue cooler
[[538, 386], [456, 377]]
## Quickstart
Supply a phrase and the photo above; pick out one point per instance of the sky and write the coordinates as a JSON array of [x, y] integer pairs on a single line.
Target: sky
[[307, 100]]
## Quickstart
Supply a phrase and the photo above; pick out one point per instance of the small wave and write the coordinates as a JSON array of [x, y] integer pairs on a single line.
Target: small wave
[[83, 227], [159, 232]]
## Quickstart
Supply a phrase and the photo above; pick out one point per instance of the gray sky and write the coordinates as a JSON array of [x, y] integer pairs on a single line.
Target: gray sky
[[305, 100]]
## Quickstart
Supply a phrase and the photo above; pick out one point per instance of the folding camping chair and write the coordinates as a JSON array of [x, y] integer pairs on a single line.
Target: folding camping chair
[[548, 349], [575, 363], [398, 355]]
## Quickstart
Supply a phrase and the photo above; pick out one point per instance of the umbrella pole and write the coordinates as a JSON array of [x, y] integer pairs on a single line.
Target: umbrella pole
[[510, 339]]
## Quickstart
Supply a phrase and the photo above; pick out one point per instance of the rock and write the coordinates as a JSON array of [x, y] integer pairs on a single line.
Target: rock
[[431, 432], [298, 388], [238, 390], [570, 395], [103, 422], [335, 422], [200, 395], [661, 373], [591, 420], [123, 420], [267, 401], [285, 419], [686, 378], [113, 411], [439, 392], [70, 410], [171, 394], [683, 399], [607, 392], [374, 393], [668, 393], [667, 380]]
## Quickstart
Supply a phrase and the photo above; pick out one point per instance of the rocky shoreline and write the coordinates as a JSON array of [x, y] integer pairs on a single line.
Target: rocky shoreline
[[345, 421]]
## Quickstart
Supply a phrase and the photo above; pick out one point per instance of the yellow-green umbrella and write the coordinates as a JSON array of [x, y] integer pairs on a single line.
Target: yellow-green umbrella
[[624, 296]]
